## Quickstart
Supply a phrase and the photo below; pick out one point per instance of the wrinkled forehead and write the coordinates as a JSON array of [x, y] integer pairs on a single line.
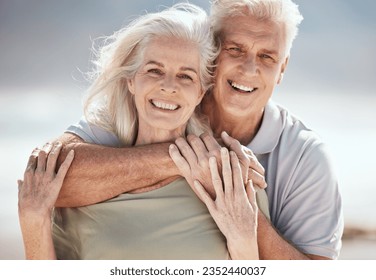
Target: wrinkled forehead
[[248, 30], [250, 25]]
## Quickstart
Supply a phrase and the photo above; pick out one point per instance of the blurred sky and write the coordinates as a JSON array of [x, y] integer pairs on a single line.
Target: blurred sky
[[45, 47], [44, 42]]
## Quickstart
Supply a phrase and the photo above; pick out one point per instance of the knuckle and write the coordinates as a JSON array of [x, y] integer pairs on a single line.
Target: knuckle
[[179, 141], [216, 153], [42, 153], [191, 137]]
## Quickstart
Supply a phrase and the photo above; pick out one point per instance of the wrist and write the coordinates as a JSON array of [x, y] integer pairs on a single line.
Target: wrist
[[243, 249]]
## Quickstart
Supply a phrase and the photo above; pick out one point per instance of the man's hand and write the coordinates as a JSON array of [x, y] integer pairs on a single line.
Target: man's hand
[[251, 168], [191, 156]]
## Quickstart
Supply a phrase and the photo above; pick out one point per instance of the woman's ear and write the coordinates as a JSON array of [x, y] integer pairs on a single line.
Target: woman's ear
[[200, 97], [130, 84]]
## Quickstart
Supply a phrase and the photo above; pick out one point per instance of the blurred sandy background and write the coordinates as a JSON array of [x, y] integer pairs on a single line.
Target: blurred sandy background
[[45, 47]]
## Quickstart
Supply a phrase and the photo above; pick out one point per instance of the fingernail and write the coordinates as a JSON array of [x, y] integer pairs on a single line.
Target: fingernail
[[225, 133], [71, 153]]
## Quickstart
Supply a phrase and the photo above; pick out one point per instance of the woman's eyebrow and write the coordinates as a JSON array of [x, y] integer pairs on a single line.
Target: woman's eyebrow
[[155, 62], [188, 69]]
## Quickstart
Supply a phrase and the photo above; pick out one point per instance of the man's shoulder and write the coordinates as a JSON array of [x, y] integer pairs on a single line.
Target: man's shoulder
[[295, 130], [93, 133], [281, 129]]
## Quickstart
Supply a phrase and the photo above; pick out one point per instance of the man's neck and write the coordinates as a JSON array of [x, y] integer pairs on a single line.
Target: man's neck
[[243, 128]]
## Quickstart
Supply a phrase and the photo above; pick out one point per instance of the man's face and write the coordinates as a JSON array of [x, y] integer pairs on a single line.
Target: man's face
[[249, 66]]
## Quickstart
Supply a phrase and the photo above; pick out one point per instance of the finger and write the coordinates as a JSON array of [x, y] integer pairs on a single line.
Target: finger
[[210, 142], [52, 157], [198, 147], [251, 194], [231, 143], [234, 145], [179, 160], [254, 163], [64, 167], [203, 195], [32, 162], [186, 151], [216, 178], [226, 172], [42, 157], [257, 179], [237, 174]]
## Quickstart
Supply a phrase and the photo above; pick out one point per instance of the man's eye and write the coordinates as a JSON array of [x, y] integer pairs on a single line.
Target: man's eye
[[235, 51], [266, 56]]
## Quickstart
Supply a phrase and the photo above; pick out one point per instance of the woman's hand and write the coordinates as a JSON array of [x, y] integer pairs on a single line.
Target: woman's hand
[[37, 195], [234, 208], [41, 185]]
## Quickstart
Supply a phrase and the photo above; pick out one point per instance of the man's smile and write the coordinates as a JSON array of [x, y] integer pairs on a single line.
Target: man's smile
[[241, 88]]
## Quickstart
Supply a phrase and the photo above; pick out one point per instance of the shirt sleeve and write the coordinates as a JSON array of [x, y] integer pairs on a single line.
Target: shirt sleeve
[[311, 215], [94, 134]]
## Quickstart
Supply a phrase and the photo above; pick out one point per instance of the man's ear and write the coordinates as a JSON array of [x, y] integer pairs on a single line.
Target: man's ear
[[283, 68], [130, 84]]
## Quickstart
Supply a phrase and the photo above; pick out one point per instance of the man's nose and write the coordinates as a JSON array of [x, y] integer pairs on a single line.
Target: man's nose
[[250, 65]]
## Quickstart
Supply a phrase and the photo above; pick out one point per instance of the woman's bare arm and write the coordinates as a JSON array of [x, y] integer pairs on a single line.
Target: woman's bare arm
[[99, 173]]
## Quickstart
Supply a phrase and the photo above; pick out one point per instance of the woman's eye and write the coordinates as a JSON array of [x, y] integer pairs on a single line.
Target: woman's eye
[[185, 76], [155, 71]]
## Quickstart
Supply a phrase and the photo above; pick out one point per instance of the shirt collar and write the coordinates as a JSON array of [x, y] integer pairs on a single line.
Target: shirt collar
[[270, 130]]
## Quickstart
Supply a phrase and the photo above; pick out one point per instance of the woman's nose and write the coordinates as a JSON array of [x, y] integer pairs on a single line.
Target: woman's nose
[[168, 84]]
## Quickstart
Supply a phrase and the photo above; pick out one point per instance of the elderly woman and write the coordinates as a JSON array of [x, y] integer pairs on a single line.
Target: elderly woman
[[145, 91]]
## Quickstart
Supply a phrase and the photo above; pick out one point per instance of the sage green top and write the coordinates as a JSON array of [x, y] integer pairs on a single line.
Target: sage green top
[[166, 223]]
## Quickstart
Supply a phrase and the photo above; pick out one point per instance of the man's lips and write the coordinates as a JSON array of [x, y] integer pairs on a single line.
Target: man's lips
[[241, 88]]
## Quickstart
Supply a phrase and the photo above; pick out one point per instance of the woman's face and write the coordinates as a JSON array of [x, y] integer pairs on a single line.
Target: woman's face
[[167, 86]]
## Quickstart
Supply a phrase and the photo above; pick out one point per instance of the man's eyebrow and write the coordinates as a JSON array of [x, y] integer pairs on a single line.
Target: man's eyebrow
[[230, 42]]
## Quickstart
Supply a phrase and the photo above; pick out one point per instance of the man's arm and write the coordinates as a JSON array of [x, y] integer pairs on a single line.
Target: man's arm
[[272, 246], [99, 173]]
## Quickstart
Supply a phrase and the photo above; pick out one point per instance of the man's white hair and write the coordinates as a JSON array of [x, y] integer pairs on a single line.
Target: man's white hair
[[280, 11]]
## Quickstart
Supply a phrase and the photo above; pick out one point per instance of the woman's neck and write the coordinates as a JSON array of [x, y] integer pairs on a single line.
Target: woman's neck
[[149, 135]]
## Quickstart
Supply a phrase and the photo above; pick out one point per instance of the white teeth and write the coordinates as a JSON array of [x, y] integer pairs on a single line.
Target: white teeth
[[241, 87], [164, 106]]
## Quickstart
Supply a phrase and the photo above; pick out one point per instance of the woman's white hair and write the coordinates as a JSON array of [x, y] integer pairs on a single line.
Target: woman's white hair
[[109, 103], [280, 11]]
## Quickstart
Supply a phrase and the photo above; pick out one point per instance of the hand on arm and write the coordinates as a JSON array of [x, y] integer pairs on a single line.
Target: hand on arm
[[36, 198], [99, 173], [191, 156]]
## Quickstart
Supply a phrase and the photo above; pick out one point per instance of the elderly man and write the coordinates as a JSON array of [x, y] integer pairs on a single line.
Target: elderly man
[[255, 38]]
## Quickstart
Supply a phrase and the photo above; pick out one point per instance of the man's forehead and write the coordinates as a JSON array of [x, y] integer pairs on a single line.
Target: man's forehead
[[251, 26]]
